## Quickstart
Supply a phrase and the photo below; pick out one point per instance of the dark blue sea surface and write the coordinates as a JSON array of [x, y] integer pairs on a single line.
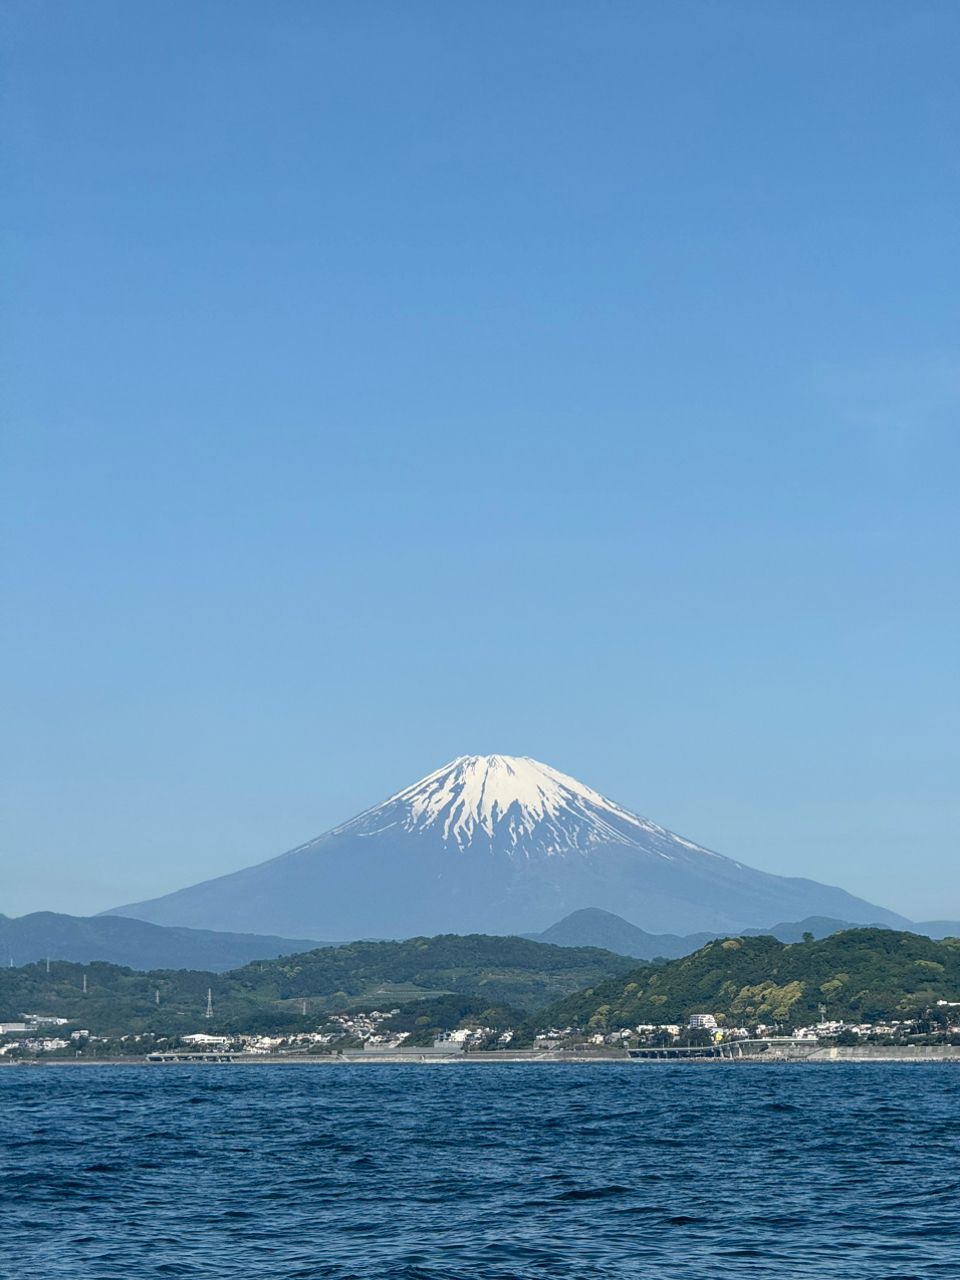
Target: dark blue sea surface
[[437, 1172]]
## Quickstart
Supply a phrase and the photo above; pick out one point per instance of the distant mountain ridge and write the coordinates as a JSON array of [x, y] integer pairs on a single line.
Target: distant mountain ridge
[[497, 845], [136, 944], [586, 928], [591, 927], [119, 940], [939, 928]]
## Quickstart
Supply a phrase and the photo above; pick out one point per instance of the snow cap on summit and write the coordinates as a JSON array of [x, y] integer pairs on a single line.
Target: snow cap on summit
[[496, 844], [514, 801]]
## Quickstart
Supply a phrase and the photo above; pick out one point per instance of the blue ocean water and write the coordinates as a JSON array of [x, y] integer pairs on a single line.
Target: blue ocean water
[[494, 1172]]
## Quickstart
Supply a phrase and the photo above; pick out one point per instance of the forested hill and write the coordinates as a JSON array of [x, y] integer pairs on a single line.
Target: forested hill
[[293, 991], [861, 974]]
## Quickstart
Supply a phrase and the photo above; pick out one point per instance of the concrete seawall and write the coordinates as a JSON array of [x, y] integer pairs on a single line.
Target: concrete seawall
[[800, 1053], [888, 1053]]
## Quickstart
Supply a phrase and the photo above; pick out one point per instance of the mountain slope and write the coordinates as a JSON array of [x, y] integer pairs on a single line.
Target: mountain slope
[[497, 844], [295, 990], [858, 974], [135, 943]]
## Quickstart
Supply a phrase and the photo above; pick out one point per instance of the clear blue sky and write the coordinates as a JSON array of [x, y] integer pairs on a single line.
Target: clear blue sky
[[391, 381]]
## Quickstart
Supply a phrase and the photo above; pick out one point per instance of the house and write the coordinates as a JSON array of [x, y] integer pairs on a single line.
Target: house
[[703, 1021]]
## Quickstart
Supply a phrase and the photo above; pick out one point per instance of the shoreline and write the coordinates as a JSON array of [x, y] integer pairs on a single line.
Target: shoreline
[[919, 1054]]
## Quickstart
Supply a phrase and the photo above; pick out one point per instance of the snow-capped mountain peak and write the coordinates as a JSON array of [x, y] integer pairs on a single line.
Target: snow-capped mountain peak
[[496, 844], [514, 803]]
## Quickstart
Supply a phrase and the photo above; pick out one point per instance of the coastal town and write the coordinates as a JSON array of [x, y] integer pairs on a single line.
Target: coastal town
[[45, 1036]]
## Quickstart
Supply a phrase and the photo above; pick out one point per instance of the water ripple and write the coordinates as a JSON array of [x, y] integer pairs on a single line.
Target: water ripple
[[479, 1172]]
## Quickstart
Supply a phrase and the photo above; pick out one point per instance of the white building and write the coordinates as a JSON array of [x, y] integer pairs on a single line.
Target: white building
[[705, 1021]]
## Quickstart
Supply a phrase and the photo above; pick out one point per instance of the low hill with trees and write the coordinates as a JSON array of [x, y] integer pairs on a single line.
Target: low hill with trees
[[859, 974], [292, 991]]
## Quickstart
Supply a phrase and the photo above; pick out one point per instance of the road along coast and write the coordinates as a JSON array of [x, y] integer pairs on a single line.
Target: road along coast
[[806, 1054]]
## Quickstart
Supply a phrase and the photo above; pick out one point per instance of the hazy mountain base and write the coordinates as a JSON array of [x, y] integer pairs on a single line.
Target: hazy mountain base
[[140, 945], [413, 885], [938, 928], [135, 943], [594, 928], [498, 845]]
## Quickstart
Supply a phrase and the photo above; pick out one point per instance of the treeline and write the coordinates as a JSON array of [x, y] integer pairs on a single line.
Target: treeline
[[293, 992], [861, 975]]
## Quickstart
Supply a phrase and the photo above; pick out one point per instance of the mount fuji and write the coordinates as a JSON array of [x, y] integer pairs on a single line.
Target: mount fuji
[[496, 844]]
